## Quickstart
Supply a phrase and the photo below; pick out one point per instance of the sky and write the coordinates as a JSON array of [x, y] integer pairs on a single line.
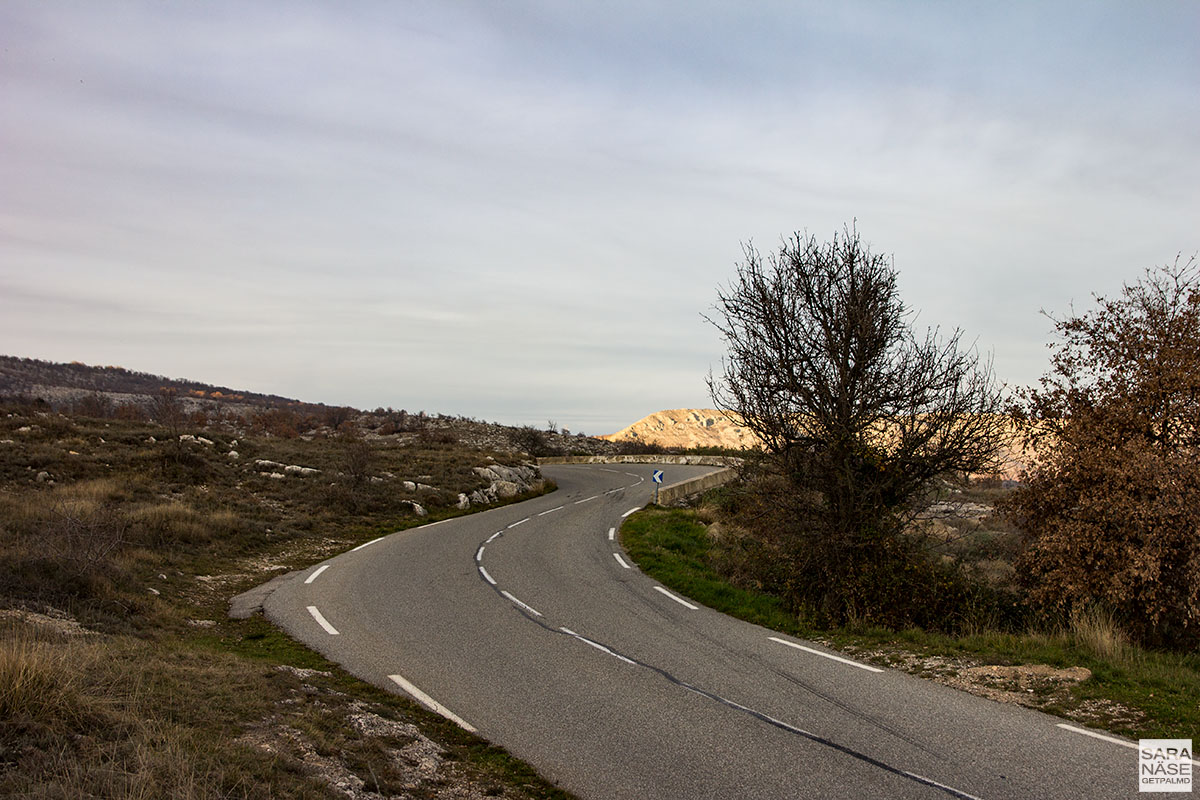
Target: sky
[[520, 211]]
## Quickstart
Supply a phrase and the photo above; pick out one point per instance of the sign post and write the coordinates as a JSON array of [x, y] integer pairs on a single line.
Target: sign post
[[657, 477]]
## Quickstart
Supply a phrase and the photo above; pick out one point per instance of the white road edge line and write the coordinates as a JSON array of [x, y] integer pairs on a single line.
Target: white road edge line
[[367, 544], [316, 572], [485, 575], [1095, 735], [612, 532], [551, 511], [479, 555], [621, 561], [1104, 738], [630, 511], [586, 499], [324, 623], [525, 606], [596, 645], [830, 656], [679, 600], [519, 522], [431, 704]]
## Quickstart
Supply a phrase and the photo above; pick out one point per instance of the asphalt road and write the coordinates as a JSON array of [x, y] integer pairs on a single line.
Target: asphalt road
[[528, 624]]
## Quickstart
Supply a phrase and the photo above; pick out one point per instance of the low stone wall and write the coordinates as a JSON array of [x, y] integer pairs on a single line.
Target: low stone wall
[[675, 491], [700, 461], [678, 491]]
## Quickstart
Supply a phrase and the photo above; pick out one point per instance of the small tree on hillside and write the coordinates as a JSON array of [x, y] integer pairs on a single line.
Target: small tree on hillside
[[857, 415], [1111, 507]]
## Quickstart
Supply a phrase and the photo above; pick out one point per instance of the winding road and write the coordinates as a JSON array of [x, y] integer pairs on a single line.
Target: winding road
[[529, 625]]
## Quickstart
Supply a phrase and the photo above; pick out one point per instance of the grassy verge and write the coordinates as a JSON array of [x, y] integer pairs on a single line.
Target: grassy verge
[[121, 675], [1127, 690]]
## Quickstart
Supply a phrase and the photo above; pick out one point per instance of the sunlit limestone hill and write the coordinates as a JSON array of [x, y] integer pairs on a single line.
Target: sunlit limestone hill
[[687, 428]]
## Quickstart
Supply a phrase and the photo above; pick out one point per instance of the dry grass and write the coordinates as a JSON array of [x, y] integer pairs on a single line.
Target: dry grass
[[38, 680], [1095, 630], [123, 533]]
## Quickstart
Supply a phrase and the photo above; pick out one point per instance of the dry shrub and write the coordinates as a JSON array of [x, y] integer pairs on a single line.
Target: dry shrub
[[37, 682], [83, 528], [130, 412], [174, 522], [1111, 508], [62, 544], [117, 717], [1095, 629], [279, 422]]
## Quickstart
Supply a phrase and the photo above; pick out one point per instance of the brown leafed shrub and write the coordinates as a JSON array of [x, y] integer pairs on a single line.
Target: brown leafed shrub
[[1111, 508], [280, 422], [130, 412]]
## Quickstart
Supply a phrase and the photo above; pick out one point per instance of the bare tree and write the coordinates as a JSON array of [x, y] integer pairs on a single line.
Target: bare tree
[[857, 415], [169, 412], [530, 440], [357, 457]]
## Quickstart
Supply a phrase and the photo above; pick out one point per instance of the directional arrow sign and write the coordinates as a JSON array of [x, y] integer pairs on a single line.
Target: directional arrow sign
[[657, 476]]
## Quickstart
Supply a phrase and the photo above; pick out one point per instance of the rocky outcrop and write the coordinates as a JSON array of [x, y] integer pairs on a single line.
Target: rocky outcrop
[[687, 428], [505, 482], [290, 469]]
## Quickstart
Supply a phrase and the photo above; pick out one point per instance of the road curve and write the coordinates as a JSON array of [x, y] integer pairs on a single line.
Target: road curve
[[529, 624]]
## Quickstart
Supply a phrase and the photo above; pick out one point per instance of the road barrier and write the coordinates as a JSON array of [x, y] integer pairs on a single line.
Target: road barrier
[[675, 491], [702, 461]]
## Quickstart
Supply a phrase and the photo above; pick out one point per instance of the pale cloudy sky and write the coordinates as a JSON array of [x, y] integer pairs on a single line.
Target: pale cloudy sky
[[519, 210]]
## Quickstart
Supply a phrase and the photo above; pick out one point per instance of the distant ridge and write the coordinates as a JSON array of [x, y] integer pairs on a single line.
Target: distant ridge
[[54, 382], [687, 428]]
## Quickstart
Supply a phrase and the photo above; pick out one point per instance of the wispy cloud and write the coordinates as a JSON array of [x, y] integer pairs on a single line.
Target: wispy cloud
[[520, 210]]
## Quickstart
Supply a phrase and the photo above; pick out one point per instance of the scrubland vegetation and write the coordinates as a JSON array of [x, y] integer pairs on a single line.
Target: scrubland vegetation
[[868, 520], [120, 674], [1075, 590], [960, 617]]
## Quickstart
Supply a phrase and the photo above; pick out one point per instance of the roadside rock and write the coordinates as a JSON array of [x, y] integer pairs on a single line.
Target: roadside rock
[[507, 481]]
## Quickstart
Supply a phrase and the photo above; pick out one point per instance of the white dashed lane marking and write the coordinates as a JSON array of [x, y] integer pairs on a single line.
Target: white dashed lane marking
[[596, 645], [621, 561], [528, 608], [324, 623], [316, 572]]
